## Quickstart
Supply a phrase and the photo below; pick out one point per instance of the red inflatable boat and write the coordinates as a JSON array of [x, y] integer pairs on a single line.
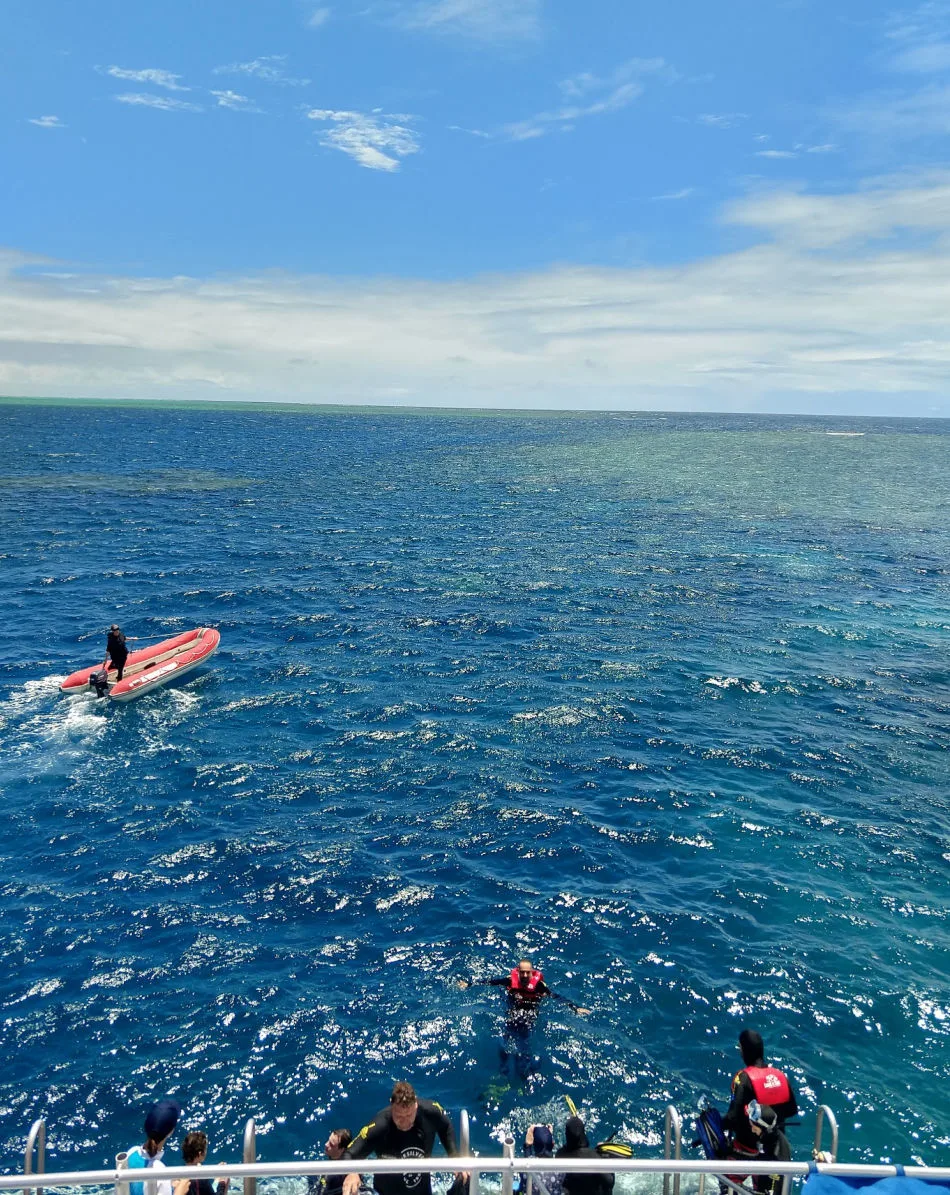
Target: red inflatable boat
[[149, 668]]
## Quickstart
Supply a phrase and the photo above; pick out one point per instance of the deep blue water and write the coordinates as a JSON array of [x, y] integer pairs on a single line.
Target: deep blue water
[[661, 701]]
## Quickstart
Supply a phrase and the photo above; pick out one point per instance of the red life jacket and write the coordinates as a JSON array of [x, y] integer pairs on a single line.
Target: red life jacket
[[769, 1084], [529, 989]]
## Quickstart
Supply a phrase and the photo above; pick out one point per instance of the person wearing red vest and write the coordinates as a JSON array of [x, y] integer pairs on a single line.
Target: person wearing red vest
[[526, 990], [756, 1081]]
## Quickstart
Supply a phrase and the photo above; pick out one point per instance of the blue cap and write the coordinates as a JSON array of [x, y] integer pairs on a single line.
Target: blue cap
[[161, 1118]]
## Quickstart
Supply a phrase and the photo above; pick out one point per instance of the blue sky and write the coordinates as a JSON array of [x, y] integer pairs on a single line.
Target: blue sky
[[479, 202]]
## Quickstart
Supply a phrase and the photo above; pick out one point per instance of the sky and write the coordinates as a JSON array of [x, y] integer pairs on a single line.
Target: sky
[[675, 205]]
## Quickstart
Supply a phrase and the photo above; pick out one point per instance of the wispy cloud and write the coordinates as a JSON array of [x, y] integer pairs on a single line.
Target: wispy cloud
[[776, 153], [270, 68], [47, 122], [483, 20], [318, 17], [866, 316], [373, 139], [683, 193], [919, 38], [899, 114], [882, 209], [723, 120], [162, 102], [601, 94], [231, 99], [157, 78]]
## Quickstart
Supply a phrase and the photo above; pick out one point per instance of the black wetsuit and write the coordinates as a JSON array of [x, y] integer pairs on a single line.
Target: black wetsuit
[[383, 1138], [325, 1184], [773, 1147], [118, 653], [520, 1018]]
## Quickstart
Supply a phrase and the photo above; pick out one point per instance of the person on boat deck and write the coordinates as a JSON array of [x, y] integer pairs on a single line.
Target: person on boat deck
[[408, 1128], [160, 1123], [539, 1143], [756, 1081], [194, 1150], [116, 650], [576, 1145], [334, 1148]]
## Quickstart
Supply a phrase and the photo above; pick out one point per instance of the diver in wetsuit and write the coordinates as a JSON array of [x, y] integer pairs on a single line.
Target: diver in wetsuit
[[408, 1128], [756, 1081], [116, 650], [526, 989]]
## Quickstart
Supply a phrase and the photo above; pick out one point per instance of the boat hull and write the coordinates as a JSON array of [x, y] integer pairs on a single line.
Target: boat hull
[[151, 667]]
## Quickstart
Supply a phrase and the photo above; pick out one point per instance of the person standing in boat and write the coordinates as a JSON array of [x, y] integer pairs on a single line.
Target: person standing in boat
[[526, 989], [116, 650], [756, 1082], [160, 1122], [407, 1128]]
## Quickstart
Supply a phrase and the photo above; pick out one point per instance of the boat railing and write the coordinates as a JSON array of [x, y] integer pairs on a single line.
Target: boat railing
[[505, 1166], [826, 1114], [36, 1142], [673, 1146]]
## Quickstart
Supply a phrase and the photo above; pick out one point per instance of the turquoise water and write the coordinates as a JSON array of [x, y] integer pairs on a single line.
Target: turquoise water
[[660, 701]]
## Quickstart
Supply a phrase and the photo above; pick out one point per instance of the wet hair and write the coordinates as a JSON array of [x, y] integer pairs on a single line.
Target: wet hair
[[403, 1094], [193, 1146], [343, 1137]]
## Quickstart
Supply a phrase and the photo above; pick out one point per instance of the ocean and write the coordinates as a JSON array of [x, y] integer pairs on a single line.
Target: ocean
[[661, 701]]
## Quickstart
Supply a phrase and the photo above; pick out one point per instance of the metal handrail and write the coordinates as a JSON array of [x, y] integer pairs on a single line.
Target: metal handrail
[[507, 1176], [249, 1154], [672, 1137], [37, 1139], [480, 1165], [825, 1113]]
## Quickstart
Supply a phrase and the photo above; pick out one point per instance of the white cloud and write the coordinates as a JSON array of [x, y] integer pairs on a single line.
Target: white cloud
[[900, 114], [156, 77], [483, 20], [683, 193], [775, 153], [774, 323], [919, 38], [374, 140], [163, 102], [318, 17], [882, 209], [270, 68], [231, 99], [725, 120], [47, 122], [602, 94]]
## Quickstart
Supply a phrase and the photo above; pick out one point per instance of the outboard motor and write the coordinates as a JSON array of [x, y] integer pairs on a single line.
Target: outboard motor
[[100, 682]]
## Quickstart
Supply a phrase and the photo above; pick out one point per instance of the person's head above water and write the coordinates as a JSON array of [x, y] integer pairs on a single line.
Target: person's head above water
[[753, 1050], [525, 969], [574, 1135], [404, 1104]]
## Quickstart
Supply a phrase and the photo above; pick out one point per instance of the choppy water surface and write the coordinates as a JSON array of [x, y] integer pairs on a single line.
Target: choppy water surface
[[662, 702]]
